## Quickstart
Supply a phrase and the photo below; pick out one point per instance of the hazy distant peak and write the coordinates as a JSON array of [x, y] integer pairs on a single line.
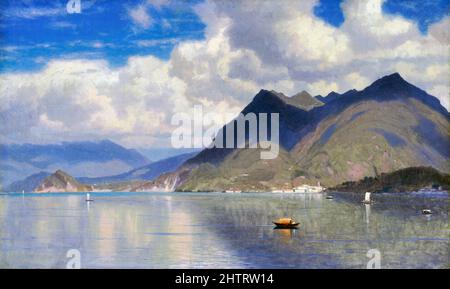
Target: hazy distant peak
[[302, 100], [279, 94], [302, 94]]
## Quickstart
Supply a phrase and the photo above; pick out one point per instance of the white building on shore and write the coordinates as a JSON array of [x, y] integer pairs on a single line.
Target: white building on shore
[[309, 189]]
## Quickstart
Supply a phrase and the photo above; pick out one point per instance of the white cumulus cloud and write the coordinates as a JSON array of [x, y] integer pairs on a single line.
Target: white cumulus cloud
[[140, 16], [248, 45]]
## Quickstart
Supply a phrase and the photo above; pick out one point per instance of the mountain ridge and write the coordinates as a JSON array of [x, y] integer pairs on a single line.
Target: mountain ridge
[[145, 173], [129, 179], [389, 125], [28, 184], [89, 158]]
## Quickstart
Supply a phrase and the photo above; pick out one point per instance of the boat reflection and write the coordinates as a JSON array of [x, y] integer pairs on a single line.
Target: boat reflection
[[367, 213], [285, 235]]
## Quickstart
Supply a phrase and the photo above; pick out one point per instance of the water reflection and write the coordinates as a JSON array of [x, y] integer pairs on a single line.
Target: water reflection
[[285, 235], [221, 230], [367, 206]]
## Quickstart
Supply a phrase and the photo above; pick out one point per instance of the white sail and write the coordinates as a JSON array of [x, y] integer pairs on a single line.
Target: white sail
[[367, 197], [88, 197]]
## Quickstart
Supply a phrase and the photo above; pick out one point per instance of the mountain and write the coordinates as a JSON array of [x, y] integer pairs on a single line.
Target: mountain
[[387, 126], [90, 159], [403, 180], [290, 119], [148, 172], [302, 100], [28, 184], [61, 182], [334, 95]]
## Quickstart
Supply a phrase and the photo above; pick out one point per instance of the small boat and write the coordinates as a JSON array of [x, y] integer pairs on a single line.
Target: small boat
[[329, 197], [286, 223], [88, 198], [367, 199], [426, 212]]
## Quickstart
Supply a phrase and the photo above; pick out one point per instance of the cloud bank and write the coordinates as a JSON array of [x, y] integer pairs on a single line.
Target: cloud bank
[[276, 45]]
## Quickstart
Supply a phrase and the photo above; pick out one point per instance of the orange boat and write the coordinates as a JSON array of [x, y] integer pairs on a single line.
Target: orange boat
[[286, 223]]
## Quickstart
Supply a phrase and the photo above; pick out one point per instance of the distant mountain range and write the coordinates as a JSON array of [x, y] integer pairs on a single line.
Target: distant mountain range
[[28, 184], [387, 126], [89, 159], [161, 153], [61, 181], [122, 181], [146, 173]]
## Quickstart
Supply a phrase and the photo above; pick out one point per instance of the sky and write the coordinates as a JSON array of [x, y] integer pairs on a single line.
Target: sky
[[121, 69]]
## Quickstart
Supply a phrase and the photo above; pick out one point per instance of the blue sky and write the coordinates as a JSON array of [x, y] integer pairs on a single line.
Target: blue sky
[[33, 32], [423, 12], [126, 67]]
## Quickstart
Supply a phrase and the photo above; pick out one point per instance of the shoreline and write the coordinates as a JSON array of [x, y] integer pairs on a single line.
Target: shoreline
[[325, 192]]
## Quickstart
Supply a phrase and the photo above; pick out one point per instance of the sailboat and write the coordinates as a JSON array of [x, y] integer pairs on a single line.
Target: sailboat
[[367, 198], [88, 198]]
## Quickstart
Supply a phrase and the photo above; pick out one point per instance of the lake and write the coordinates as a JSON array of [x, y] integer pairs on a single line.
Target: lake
[[221, 230]]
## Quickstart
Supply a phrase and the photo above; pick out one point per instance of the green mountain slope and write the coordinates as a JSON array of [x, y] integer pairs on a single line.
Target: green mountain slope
[[373, 137], [242, 170]]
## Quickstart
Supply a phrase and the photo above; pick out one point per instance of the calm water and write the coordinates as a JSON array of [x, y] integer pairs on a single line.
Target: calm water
[[214, 230]]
